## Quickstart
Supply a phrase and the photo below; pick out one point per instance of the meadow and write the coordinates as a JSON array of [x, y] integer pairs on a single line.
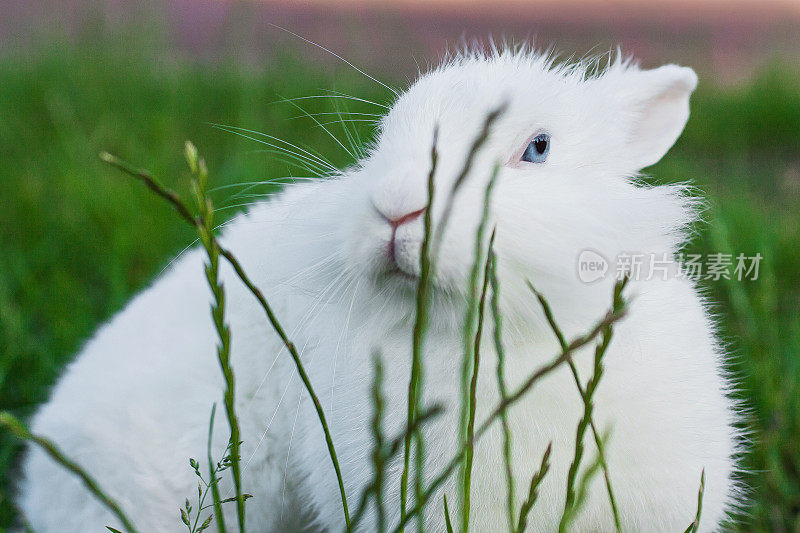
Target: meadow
[[77, 241]]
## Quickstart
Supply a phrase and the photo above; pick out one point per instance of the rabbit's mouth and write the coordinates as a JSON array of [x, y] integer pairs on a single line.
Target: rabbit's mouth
[[397, 267], [394, 276], [389, 246], [397, 272]]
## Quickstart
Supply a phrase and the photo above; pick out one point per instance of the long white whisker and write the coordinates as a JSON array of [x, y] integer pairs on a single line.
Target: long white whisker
[[374, 115], [391, 290], [319, 166], [298, 152], [294, 331], [320, 306], [256, 184], [329, 289], [180, 255], [254, 195], [325, 130], [306, 151], [294, 162], [288, 452], [297, 161], [337, 56], [351, 97], [264, 434], [284, 180], [341, 338], [316, 156], [329, 259], [245, 194], [280, 352], [229, 207], [356, 146], [242, 194], [371, 121], [264, 182], [346, 97], [244, 204], [283, 155], [323, 270]]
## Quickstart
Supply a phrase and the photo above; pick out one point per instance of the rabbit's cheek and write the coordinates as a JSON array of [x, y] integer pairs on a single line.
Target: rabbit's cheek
[[367, 244], [407, 244]]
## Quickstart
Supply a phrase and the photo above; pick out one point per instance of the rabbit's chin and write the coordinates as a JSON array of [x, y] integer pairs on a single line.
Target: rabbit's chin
[[394, 276], [403, 272]]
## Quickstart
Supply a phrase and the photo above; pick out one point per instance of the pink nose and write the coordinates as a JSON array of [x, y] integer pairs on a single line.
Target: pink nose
[[396, 223], [405, 219]]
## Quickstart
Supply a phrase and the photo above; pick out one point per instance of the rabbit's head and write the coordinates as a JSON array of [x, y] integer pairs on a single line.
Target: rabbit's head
[[569, 146]]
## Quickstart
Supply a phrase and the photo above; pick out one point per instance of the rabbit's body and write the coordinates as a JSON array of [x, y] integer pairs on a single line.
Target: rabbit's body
[[135, 404]]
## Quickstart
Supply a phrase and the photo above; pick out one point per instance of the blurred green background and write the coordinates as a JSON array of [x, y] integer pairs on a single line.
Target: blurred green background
[[76, 239]]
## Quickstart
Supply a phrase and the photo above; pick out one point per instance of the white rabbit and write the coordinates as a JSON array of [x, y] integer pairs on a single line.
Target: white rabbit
[[338, 260]]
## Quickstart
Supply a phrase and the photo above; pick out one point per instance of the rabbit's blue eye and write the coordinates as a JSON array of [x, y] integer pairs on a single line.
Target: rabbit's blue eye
[[537, 150]]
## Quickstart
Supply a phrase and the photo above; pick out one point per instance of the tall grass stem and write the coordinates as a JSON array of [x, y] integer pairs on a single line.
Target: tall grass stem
[[609, 319], [183, 211], [415, 383], [215, 495], [205, 230], [502, 389], [18, 429], [473, 386], [533, 490], [546, 309], [695, 525]]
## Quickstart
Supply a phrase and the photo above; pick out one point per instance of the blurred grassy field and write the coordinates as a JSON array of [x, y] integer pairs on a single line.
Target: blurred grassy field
[[76, 240]]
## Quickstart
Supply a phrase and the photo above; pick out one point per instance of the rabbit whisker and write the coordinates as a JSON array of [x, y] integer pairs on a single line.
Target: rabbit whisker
[[313, 155], [337, 56], [316, 96], [351, 154], [342, 337], [289, 451], [308, 162]]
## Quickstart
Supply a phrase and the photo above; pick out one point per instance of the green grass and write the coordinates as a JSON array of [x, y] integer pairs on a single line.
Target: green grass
[[77, 240], [741, 149]]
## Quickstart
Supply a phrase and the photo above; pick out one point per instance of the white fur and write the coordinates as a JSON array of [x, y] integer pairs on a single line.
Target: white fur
[[134, 405]]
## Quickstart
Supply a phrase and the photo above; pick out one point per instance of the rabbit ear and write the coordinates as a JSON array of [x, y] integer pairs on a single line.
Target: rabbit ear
[[657, 104]]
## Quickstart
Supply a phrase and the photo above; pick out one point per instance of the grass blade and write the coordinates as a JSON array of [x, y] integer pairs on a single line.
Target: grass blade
[[617, 302], [533, 493], [473, 387], [378, 454], [184, 212], [204, 226], [501, 387], [479, 141], [693, 527], [255, 291], [18, 429], [215, 496], [581, 494], [469, 329], [390, 449], [420, 328], [447, 521], [610, 318]]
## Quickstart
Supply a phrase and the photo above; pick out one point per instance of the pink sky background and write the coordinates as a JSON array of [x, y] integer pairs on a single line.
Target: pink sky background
[[705, 4], [675, 7], [728, 39]]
